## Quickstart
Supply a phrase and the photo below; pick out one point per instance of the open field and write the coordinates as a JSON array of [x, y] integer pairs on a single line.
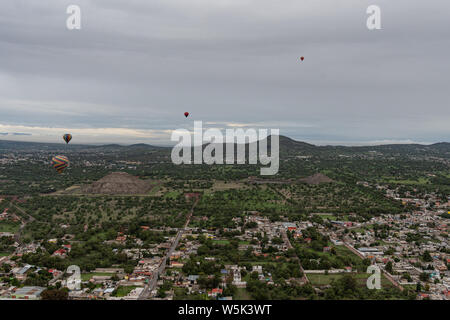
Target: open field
[[123, 291], [88, 276], [327, 279], [172, 194], [242, 294], [419, 181], [6, 226], [222, 185]]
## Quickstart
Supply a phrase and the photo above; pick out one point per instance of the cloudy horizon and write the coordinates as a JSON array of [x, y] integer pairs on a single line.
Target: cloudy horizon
[[136, 66]]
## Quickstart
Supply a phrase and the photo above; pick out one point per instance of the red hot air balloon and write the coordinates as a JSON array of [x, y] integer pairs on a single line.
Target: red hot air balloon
[[302, 58], [60, 163], [186, 114]]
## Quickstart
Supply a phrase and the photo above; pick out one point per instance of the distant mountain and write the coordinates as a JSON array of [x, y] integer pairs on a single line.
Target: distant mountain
[[109, 146], [288, 147], [444, 146], [288, 142], [144, 146], [34, 146], [19, 145]]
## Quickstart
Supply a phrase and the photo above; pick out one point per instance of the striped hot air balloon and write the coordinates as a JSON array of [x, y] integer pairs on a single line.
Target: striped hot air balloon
[[67, 137], [60, 163]]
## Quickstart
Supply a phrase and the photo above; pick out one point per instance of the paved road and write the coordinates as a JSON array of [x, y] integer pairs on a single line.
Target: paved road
[[152, 283]]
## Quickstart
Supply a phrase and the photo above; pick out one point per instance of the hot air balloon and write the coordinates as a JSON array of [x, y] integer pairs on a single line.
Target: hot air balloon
[[186, 114], [67, 137], [302, 58], [60, 163]]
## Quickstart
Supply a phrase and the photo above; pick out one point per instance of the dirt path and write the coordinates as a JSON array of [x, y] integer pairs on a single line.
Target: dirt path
[[387, 275], [24, 221], [289, 245]]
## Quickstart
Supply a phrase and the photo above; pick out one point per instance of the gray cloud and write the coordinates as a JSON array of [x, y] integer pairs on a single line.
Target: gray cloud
[[140, 64]]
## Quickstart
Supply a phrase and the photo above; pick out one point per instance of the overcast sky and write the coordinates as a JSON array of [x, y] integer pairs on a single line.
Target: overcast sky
[[136, 66]]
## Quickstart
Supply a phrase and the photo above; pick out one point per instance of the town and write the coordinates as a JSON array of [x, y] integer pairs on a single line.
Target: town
[[241, 260], [138, 227]]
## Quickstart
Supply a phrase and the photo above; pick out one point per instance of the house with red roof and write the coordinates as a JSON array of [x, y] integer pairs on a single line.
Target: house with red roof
[[214, 292], [121, 238], [297, 234], [60, 253], [192, 195], [423, 296]]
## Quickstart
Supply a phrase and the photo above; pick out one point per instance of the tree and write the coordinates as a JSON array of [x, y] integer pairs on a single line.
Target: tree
[[407, 277], [424, 277], [427, 257], [254, 275], [349, 283], [161, 293], [55, 294], [388, 267], [128, 269]]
